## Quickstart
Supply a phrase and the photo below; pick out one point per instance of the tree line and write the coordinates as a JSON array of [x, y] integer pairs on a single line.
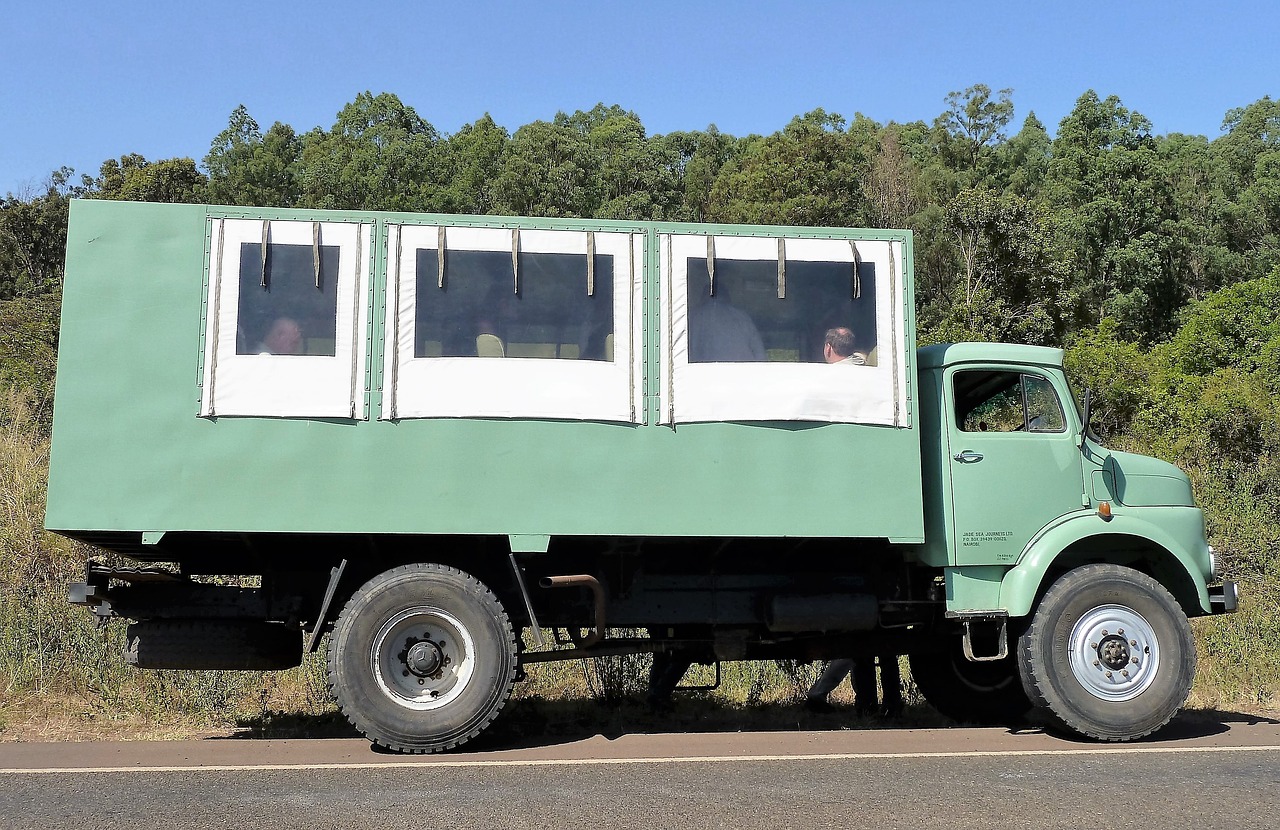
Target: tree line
[[1020, 237]]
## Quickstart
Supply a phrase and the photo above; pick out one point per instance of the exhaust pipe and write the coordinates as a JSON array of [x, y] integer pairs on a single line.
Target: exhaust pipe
[[597, 593]]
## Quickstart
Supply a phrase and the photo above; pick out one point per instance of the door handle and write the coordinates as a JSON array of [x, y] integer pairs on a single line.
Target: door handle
[[968, 457]]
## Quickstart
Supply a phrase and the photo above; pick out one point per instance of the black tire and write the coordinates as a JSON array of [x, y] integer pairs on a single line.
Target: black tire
[[422, 658], [986, 692], [1109, 653]]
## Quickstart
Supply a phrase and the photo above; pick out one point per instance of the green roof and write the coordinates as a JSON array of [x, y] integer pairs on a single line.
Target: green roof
[[947, 354]]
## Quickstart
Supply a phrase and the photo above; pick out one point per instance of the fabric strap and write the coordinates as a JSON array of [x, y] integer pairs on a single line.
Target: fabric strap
[[211, 349], [440, 240], [857, 278], [355, 317], [315, 250], [782, 268], [266, 230], [893, 332], [515, 259], [711, 264]]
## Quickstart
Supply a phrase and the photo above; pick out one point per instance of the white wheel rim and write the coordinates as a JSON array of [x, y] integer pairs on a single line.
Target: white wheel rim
[[423, 658], [1114, 653]]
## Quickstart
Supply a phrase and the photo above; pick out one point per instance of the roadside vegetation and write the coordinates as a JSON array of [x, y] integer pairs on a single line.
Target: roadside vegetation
[[1153, 259]]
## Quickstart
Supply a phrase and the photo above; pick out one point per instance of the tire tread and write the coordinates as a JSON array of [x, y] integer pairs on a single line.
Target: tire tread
[[368, 729]]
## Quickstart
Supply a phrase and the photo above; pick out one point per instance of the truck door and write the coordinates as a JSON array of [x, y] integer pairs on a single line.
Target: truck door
[[1014, 463]]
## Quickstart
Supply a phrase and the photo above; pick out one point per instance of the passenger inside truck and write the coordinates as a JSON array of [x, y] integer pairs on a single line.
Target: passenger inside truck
[[288, 307], [549, 309], [815, 298]]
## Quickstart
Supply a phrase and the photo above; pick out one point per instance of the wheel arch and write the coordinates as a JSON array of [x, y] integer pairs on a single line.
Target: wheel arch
[[484, 557], [1089, 539]]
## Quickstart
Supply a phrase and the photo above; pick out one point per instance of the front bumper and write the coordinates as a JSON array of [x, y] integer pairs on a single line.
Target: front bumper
[[1224, 598]]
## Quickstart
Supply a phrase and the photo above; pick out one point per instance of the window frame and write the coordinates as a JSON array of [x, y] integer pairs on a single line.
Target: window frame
[[785, 391], [1022, 375], [285, 386], [513, 387]]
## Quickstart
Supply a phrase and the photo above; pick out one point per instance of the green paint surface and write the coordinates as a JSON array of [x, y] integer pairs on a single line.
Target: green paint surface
[[130, 454]]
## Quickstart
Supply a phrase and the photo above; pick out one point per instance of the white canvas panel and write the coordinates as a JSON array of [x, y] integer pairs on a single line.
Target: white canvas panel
[[513, 387], [304, 386], [756, 391]]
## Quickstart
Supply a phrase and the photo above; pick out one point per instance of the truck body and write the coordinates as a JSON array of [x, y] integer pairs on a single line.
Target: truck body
[[435, 437]]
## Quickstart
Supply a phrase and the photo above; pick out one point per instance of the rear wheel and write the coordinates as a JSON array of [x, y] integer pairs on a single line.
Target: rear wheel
[[1109, 653], [967, 691], [422, 658]]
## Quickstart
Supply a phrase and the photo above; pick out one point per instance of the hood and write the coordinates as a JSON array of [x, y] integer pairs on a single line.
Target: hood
[[1143, 481]]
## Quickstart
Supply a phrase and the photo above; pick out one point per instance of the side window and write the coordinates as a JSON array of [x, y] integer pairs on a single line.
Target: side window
[[513, 322], [993, 401], [744, 319], [290, 307], [755, 329], [1044, 411], [285, 318], [479, 309]]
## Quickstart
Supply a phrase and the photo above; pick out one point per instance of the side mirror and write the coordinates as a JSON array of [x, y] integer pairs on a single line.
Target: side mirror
[[1085, 416]]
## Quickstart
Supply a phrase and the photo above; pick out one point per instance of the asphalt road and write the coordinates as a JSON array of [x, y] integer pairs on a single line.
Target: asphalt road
[[1194, 775]]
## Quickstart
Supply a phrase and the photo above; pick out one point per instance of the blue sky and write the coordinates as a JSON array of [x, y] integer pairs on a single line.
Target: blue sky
[[87, 81]]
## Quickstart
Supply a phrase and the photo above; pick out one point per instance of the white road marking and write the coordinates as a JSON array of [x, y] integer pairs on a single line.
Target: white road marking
[[430, 761]]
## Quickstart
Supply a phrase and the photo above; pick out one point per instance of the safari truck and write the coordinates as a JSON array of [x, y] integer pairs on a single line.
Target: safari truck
[[463, 445]]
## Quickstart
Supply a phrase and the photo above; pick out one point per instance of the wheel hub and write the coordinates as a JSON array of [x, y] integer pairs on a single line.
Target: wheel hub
[[1113, 651], [424, 658]]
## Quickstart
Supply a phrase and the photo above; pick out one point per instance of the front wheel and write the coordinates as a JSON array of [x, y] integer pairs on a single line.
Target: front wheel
[[422, 658], [1109, 653]]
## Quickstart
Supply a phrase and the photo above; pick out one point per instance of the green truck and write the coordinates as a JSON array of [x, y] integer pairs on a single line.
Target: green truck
[[435, 438]]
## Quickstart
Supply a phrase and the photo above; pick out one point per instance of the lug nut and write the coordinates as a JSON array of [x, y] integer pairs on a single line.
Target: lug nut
[[1108, 674], [1096, 663], [1135, 661], [1120, 632], [1133, 643], [1093, 646]]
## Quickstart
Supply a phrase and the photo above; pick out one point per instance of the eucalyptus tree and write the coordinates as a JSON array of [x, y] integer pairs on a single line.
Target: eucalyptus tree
[[246, 167], [548, 171], [809, 173], [476, 156], [132, 178], [1105, 178], [694, 160], [379, 155]]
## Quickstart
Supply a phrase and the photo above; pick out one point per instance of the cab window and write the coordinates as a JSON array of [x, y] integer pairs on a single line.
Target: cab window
[[994, 401]]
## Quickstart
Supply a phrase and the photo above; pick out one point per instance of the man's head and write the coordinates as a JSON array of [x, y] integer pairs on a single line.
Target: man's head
[[838, 344], [284, 337]]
